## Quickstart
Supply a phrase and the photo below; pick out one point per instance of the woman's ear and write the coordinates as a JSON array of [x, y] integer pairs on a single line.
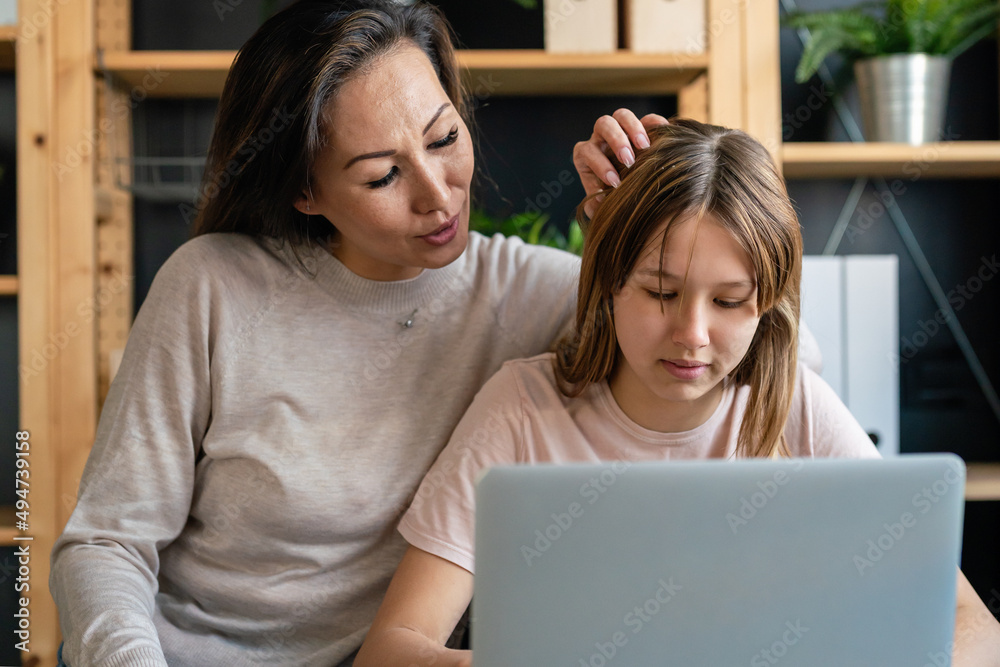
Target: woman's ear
[[303, 204]]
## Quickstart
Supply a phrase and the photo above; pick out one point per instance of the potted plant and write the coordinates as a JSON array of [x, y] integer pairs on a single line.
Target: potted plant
[[902, 52], [532, 227]]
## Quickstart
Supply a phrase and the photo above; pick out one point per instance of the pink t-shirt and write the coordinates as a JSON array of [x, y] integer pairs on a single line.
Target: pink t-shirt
[[520, 416]]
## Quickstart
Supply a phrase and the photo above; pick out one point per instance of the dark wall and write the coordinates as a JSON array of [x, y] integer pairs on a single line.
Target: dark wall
[[8, 355], [8, 266]]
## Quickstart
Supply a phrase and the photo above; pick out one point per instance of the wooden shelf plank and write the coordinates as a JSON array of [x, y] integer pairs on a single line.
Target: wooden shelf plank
[[7, 530], [8, 35], [541, 73], [951, 159], [982, 481], [488, 73], [8, 285], [170, 73]]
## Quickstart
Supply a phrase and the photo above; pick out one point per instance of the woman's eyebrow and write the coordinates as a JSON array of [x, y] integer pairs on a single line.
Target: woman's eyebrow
[[378, 154], [436, 116], [368, 156]]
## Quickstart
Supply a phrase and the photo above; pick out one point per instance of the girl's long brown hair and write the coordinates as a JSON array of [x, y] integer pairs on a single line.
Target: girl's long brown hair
[[693, 169], [269, 126]]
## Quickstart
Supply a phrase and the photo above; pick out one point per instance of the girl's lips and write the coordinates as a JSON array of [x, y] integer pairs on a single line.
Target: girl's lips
[[443, 234], [685, 370]]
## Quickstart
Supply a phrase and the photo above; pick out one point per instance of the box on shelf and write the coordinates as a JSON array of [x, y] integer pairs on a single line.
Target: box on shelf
[[581, 26], [665, 26], [8, 12]]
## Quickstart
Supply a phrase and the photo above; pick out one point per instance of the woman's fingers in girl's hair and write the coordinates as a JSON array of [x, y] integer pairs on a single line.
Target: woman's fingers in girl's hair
[[621, 133]]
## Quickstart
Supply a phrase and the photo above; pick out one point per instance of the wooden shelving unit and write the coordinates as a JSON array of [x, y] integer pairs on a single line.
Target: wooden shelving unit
[[528, 72], [955, 159], [8, 285]]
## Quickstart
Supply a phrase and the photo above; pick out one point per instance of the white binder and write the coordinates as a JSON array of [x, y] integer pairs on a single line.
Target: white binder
[[851, 304]]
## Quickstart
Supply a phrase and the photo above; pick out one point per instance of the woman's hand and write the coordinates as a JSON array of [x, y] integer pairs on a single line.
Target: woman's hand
[[623, 134]]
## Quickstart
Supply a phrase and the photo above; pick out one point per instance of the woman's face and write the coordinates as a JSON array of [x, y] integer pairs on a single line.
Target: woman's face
[[394, 176], [671, 362]]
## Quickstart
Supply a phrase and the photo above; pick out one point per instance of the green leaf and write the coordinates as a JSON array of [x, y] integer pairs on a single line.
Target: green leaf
[[574, 243], [883, 27], [963, 20], [533, 228], [970, 41], [528, 4]]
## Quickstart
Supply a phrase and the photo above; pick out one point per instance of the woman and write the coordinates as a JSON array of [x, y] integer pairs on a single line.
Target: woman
[[685, 348], [299, 364]]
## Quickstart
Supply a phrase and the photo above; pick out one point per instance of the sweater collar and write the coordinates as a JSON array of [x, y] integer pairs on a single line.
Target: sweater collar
[[388, 297]]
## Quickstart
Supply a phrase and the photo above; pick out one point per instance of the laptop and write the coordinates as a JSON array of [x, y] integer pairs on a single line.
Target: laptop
[[825, 562]]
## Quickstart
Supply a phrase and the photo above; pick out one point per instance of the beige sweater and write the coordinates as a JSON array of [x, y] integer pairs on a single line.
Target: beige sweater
[[266, 429]]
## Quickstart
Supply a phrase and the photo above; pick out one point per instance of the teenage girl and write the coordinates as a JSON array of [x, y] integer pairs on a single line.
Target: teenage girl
[[685, 348]]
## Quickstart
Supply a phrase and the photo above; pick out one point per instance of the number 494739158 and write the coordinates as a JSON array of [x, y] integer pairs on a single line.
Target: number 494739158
[[23, 449]]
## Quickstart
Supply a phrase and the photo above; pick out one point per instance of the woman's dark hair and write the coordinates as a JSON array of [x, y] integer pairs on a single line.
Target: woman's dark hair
[[269, 127], [698, 171]]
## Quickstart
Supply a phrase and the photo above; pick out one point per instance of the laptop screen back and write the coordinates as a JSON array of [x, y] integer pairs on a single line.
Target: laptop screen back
[[794, 562]]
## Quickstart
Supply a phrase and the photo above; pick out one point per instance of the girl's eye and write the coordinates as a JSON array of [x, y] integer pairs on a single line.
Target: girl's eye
[[722, 303], [447, 141], [661, 296], [385, 180]]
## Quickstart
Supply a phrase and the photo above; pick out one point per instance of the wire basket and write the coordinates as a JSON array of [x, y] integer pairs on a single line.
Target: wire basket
[[170, 140], [162, 179]]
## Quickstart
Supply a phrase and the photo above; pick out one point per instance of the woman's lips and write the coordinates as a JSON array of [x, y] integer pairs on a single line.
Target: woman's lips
[[685, 370], [443, 234]]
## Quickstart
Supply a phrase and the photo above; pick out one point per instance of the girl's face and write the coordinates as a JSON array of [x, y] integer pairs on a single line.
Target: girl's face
[[394, 176], [671, 362]]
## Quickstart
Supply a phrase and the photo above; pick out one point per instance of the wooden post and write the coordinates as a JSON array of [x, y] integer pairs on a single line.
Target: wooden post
[[726, 81], [115, 277], [34, 66], [56, 251], [692, 102], [763, 75]]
